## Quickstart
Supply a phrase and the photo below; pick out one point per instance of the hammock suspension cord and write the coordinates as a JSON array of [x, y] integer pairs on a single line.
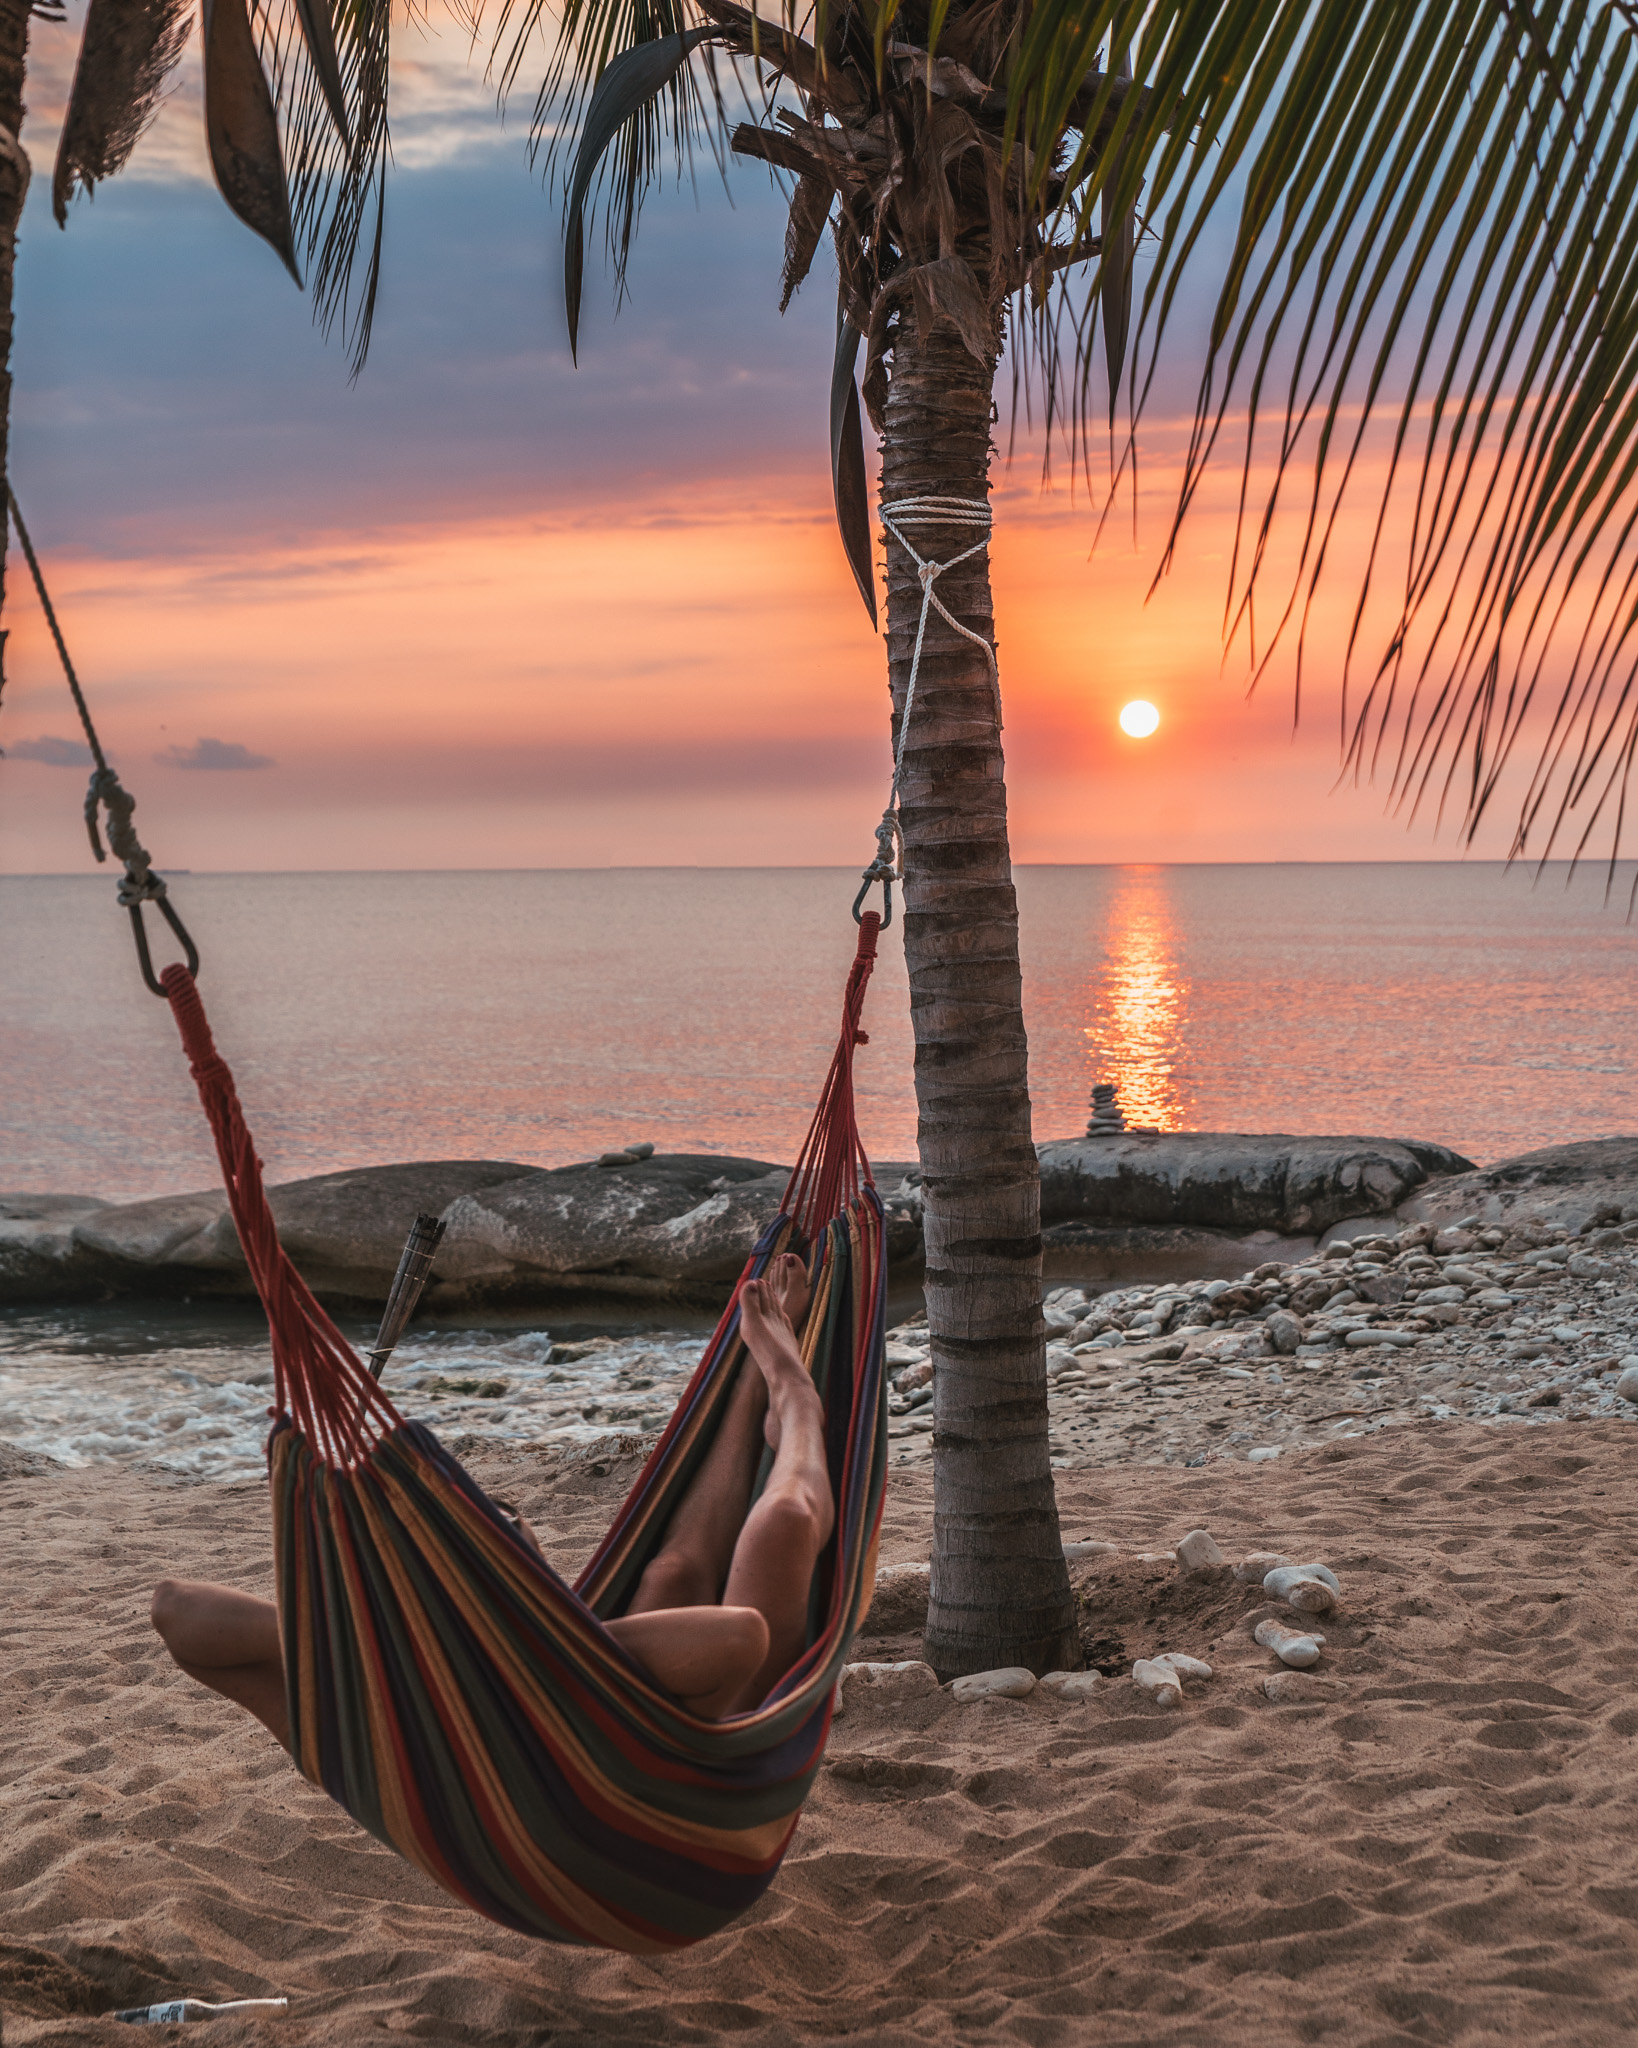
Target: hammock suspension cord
[[974, 514], [139, 884]]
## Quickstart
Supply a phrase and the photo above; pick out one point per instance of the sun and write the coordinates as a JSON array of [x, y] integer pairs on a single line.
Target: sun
[[1139, 719]]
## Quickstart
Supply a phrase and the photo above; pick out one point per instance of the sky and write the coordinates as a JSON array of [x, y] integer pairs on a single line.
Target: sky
[[484, 609]]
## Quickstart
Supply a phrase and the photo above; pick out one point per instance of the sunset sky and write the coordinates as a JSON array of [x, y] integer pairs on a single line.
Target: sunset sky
[[486, 610]]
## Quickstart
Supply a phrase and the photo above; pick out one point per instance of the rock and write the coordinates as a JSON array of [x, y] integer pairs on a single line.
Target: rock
[[1159, 1681], [1310, 1588], [1292, 1646], [1297, 1186], [1627, 1385], [1184, 1665], [885, 1682], [1010, 1682], [899, 1602], [1264, 1454], [1256, 1565], [1070, 1685], [39, 1259], [1292, 1688], [1198, 1555], [1284, 1332], [1567, 1186], [1545, 1397], [1493, 1298], [1075, 1553]]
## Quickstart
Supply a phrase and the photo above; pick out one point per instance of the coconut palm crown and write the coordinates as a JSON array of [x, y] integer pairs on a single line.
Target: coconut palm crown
[[1418, 229]]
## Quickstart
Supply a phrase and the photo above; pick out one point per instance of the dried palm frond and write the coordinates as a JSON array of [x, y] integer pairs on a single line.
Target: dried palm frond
[[127, 51]]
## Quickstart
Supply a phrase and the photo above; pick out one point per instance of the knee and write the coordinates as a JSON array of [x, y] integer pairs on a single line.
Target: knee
[[166, 1608], [675, 1580], [745, 1637], [794, 1520]]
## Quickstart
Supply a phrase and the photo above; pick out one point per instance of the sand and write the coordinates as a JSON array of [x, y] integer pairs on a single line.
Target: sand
[[1445, 1851]]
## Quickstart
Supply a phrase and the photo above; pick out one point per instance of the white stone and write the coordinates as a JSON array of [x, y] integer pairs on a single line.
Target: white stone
[[1159, 1681], [1256, 1565], [1198, 1553], [1184, 1665], [1073, 1552], [1009, 1682], [885, 1681], [1296, 1647], [1070, 1685], [1627, 1385], [1261, 1454], [1310, 1588]]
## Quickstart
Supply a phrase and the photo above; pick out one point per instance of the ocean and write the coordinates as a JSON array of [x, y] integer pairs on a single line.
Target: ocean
[[546, 1016]]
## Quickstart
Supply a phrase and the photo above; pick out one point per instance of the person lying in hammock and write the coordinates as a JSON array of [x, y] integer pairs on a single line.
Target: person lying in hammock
[[720, 1613]]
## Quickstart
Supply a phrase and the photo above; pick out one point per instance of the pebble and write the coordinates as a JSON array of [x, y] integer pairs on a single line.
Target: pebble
[[1070, 1685], [1009, 1682], [885, 1681], [1262, 1453], [1073, 1552], [1159, 1681], [1292, 1646], [1291, 1688], [1256, 1565], [1627, 1385], [1310, 1588], [1198, 1553], [1184, 1665]]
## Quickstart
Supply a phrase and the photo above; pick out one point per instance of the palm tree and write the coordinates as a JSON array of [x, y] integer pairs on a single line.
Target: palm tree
[[1420, 224]]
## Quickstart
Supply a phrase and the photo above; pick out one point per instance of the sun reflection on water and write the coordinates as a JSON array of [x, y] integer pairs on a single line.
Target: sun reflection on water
[[1138, 1019]]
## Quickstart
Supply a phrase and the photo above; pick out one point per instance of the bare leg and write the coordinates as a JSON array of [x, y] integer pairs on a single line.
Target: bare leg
[[779, 1545], [690, 1569], [705, 1655], [228, 1641]]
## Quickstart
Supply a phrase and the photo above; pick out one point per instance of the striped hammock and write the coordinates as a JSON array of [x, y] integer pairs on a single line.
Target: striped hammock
[[464, 1703]]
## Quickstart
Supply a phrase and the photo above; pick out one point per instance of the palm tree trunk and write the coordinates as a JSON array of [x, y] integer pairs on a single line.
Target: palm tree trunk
[[1000, 1590], [14, 16]]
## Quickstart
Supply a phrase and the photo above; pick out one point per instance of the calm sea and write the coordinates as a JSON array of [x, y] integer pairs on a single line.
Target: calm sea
[[545, 1016]]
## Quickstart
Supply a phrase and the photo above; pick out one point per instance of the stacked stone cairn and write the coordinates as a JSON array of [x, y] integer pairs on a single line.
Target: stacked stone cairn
[[1108, 1120]]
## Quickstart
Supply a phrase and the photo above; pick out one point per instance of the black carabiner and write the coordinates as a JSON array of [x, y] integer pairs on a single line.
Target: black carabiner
[[176, 925], [885, 877]]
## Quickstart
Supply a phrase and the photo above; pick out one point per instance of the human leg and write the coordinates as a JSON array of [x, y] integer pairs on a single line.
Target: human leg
[[790, 1524], [705, 1655], [228, 1641], [691, 1566]]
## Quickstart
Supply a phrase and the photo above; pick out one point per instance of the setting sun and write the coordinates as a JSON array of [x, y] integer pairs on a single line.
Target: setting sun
[[1139, 719]]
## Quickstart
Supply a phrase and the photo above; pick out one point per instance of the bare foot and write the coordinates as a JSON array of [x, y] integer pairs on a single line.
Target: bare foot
[[768, 1326]]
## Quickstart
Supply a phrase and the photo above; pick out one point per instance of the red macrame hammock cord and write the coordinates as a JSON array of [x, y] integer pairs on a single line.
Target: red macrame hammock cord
[[319, 1380]]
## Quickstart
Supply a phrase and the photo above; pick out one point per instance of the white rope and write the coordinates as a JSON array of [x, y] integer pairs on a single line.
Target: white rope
[[973, 513]]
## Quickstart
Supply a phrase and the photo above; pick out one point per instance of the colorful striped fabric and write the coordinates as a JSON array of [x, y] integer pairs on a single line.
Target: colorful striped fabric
[[464, 1703]]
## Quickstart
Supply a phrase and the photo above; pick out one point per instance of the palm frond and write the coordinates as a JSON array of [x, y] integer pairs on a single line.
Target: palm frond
[[329, 67], [128, 49], [1427, 317]]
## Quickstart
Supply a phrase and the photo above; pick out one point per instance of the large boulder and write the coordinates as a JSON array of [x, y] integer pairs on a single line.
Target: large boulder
[[675, 1229], [345, 1231], [1567, 1185], [1296, 1187], [39, 1260]]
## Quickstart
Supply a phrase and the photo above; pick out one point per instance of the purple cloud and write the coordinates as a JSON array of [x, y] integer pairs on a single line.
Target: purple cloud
[[54, 752], [213, 754]]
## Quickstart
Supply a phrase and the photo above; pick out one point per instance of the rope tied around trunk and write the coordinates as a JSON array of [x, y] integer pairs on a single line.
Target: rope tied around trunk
[[972, 513]]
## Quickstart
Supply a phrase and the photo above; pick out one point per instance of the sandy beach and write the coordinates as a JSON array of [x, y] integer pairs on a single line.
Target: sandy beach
[[1442, 1849]]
